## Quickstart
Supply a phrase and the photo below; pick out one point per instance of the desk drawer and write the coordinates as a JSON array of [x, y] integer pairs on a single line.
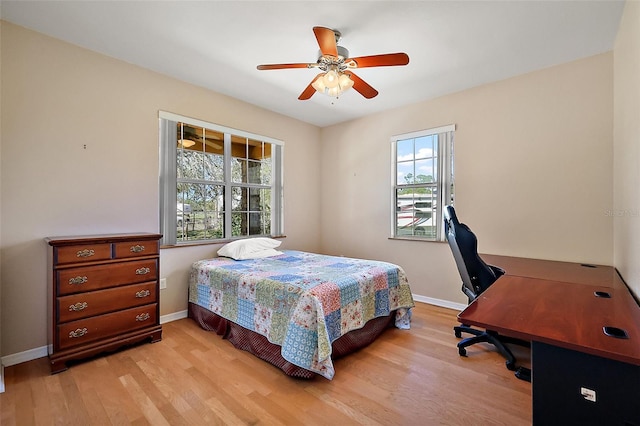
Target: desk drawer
[[95, 328], [98, 302], [76, 280]]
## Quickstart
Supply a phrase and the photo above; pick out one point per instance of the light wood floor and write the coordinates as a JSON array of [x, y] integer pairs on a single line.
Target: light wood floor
[[406, 377]]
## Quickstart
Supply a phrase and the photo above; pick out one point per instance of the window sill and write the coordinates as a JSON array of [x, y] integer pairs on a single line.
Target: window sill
[[423, 240]]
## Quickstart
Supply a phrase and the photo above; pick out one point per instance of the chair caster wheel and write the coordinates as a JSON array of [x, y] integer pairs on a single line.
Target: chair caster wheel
[[511, 366], [458, 333], [462, 352]]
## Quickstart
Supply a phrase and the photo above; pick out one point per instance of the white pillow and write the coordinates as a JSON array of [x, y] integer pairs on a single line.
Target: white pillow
[[245, 248], [260, 254]]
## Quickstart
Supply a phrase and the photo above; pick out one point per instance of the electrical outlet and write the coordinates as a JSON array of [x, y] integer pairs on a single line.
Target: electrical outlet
[[163, 283]]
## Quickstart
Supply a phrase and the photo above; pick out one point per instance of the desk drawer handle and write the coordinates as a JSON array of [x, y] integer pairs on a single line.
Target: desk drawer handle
[[143, 271], [142, 317], [142, 293], [77, 333], [137, 249], [85, 253], [78, 280], [80, 306]]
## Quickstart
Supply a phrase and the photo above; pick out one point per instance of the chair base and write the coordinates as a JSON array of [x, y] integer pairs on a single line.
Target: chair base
[[487, 336]]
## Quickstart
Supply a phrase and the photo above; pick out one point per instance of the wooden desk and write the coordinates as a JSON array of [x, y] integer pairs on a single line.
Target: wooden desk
[[578, 273], [571, 354]]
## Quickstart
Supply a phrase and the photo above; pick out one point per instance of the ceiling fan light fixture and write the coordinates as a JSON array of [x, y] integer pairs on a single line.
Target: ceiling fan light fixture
[[332, 83], [331, 79], [319, 85], [186, 143], [345, 82]]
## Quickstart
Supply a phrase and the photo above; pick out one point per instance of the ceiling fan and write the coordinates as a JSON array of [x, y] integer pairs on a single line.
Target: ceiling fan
[[336, 66]]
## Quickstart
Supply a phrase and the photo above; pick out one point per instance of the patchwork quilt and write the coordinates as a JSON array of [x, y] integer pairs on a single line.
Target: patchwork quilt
[[302, 301]]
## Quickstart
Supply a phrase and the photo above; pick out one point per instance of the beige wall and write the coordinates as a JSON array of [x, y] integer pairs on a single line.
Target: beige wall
[[627, 147], [57, 98], [533, 159]]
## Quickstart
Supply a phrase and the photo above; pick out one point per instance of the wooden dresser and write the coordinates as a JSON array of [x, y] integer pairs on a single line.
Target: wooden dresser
[[103, 294]]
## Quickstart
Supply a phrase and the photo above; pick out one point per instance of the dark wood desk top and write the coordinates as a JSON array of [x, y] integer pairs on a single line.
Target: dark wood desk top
[[560, 313], [579, 273]]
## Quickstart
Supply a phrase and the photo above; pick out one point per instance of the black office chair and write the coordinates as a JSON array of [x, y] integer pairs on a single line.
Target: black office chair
[[476, 276]]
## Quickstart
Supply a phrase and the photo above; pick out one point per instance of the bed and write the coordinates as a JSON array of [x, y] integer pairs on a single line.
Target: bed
[[299, 310]]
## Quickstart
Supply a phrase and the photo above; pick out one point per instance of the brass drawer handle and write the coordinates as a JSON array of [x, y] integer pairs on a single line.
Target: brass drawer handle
[[78, 333], [142, 317], [143, 271], [78, 280], [80, 306], [137, 249], [142, 293], [85, 253]]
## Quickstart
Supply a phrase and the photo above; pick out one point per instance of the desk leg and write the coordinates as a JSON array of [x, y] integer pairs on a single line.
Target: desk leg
[[561, 377]]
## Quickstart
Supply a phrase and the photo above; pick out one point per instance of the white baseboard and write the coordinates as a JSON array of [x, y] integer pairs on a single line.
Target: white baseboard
[[42, 351], [439, 302], [173, 317], [25, 356]]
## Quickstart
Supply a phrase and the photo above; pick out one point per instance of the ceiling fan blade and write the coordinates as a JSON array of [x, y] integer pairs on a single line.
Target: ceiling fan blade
[[309, 90], [326, 40], [284, 66], [385, 60], [362, 86]]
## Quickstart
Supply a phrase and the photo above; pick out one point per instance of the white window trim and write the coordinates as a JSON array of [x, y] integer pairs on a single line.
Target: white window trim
[[445, 179]]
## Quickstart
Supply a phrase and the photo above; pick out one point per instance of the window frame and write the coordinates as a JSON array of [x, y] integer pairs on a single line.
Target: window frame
[[444, 183], [168, 179]]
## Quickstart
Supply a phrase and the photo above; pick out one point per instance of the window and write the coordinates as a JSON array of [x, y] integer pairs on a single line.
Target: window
[[217, 183], [423, 182]]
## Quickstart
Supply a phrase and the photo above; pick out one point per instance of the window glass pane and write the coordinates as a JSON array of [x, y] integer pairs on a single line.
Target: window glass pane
[[415, 210], [255, 224], [214, 142], [254, 171], [405, 173], [425, 171], [255, 199], [426, 147], [266, 170], [214, 167], [254, 150], [190, 164], [404, 150], [238, 198], [239, 224]]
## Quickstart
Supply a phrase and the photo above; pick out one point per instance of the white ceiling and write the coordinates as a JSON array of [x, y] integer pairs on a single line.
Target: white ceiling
[[452, 45]]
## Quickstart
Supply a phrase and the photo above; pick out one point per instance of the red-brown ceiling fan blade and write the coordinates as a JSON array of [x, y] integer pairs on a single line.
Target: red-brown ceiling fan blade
[[309, 90], [326, 40], [362, 86], [385, 60], [284, 66]]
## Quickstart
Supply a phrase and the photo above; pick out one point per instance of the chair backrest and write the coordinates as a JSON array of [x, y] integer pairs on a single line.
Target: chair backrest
[[476, 275]]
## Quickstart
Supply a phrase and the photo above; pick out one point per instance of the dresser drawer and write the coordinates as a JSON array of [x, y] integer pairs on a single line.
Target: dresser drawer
[[102, 326], [82, 253], [98, 302], [135, 248], [76, 280]]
